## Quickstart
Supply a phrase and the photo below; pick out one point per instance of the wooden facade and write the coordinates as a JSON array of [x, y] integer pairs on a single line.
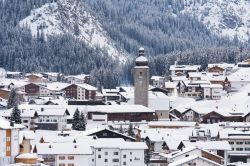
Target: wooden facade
[[32, 89], [126, 116], [8, 142], [214, 117], [71, 91], [4, 94], [90, 95], [34, 78], [132, 117], [216, 69], [212, 157]]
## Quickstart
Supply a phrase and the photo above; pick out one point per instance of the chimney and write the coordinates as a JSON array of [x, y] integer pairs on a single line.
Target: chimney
[[12, 123], [42, 109]]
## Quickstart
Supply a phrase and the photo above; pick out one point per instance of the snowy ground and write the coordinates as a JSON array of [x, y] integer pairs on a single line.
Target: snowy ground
[[65, 16], [227, 18]]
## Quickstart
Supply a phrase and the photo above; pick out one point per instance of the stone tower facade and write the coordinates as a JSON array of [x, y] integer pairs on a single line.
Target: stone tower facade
[[141, 79]]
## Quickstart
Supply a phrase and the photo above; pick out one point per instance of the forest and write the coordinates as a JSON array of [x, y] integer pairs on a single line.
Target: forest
[[166, 34]]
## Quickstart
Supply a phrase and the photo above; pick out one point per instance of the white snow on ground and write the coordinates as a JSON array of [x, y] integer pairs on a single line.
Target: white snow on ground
[[223, 17], [233, 103], [67, 16]]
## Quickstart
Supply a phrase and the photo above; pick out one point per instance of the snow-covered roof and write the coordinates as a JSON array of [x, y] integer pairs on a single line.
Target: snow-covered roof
[[87, 86], [14, 72], [4, 124], [28, 134], [141, 59], [34, 74], [53, 74], [228, 134], [208, 145], [221, 65], [172, 123], [56, 86], [80, 76], [17, 83], [171, 85], [158, 101], [118, 143], [64, 148], [178, 78], [191, 83], [191, 158], [52, 112], [234, 103], [185, 67], [195, 74], [156, 78], [27, 156], [241, 75], [217, 86], [24, 113], [119, 108]]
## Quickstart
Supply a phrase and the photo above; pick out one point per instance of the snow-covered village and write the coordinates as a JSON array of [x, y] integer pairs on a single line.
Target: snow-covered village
[[193, 117], [124, 82]]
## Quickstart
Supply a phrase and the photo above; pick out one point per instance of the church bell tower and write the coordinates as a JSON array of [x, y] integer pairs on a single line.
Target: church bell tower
[[141, 79]]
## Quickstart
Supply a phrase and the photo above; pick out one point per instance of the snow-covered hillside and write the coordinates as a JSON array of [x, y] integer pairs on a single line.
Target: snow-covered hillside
[[223, 17], [71, 17]]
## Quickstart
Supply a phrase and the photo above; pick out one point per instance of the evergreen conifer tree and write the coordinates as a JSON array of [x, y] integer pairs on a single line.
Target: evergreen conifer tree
[[76, 117], [16, 115], [13, 99], [130, 130], [82, 122]]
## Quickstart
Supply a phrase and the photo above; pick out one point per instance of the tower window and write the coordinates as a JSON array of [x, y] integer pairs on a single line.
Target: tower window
[[140, 73]]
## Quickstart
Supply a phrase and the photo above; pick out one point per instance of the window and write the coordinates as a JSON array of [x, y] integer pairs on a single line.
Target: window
[[8, 139], [71, 157], [70, 164], [106, 153], [99, 156], [105, 160], [105, 134], [61, 164], [130, 160], [61, 157], [25, 121], [54, 120], [239, 149], [8, 148], [115, 160], [231, 143], [124, 156], [130, 153], [247, 142], [99, 149], [124, 163], [239, 143], [116, 153]]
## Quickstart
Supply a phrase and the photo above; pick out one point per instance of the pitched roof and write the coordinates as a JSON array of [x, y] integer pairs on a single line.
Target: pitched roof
[[118, 143], [64, 148], [4, 124], [185, 67], [208, 145], [190, 158]]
